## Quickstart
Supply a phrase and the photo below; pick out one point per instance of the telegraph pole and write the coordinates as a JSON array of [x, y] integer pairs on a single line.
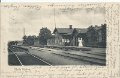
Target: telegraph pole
[[54, 15], [24, 31]]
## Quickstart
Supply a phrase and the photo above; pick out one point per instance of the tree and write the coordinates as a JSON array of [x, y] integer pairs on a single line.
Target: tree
[[10, 43], [44, 35], [29, 40], [24, 39]]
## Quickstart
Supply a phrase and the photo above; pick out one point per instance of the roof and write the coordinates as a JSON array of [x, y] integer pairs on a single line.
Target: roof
[[97, 27], [68, 31], [81, 30], [52, 36], [64, 30]]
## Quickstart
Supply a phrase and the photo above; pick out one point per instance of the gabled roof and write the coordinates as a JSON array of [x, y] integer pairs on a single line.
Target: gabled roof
[[63, 30], [52, 36], [97, 27], [81, 30]]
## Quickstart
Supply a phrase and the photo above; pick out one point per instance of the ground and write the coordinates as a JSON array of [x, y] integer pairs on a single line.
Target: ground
[[96, 56]]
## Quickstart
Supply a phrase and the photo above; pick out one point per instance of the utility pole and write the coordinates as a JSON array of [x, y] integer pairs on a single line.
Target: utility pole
[[54, 15], [24, 31]]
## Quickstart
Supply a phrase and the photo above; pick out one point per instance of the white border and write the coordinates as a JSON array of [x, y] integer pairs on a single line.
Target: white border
[[60, 0]]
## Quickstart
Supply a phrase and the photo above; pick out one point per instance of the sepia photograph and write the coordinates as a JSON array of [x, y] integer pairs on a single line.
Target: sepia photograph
[[57, 34], [60, 40]]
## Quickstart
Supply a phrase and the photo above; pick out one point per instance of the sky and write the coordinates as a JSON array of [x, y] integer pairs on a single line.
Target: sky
[[36, 17]]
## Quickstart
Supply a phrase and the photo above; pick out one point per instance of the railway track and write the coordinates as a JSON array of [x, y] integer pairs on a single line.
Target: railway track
[[13, 59], [25, 58], [91, 60]]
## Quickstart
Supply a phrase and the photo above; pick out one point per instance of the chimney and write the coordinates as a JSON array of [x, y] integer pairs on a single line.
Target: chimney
[[70, 26]]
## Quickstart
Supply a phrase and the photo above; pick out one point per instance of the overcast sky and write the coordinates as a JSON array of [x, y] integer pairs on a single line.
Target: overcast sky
[[34, 19]]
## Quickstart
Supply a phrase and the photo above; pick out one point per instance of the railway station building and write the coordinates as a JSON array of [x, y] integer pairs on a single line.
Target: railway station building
[[93, 36]]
